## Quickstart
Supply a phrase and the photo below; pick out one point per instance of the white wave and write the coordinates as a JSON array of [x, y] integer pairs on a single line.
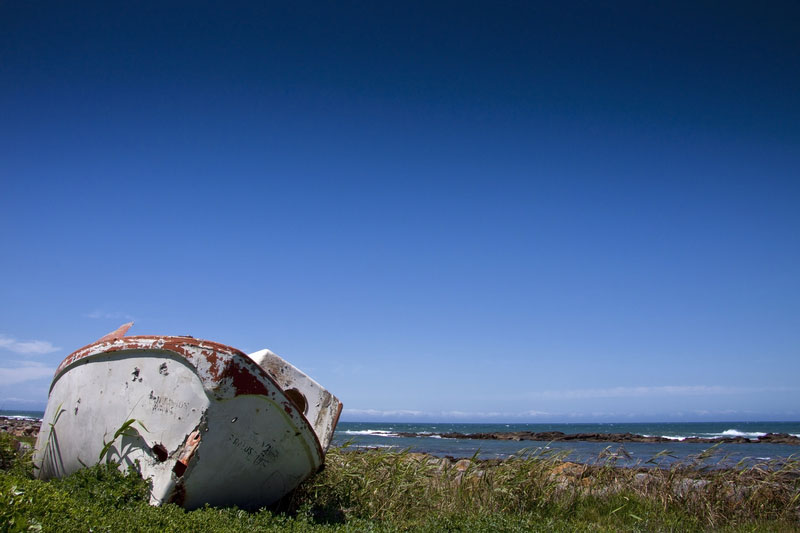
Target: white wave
[[737, 433], [371, 432], [22, 417], [673, 437]]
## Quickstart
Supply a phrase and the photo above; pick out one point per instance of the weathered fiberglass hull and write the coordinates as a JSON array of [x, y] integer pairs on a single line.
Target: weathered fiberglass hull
[[206, 423]]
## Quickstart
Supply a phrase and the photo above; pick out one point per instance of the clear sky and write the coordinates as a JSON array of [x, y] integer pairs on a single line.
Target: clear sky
[[509, 211]]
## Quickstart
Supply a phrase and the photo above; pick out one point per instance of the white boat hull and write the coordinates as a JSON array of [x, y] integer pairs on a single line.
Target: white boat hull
[[203, 421]]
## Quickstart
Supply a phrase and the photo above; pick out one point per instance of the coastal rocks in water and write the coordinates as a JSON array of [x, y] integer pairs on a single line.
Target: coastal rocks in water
[[552, 436], [779, 438]]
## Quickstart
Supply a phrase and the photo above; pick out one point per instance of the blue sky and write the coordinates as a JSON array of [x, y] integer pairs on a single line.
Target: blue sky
[[511, 211]]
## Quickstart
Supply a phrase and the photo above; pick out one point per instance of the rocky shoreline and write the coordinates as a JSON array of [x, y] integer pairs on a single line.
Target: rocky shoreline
[[25, 431], [558, 436], [20, 427]]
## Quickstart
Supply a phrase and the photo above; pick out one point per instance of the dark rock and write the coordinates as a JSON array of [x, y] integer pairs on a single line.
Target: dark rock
[[551, 436]]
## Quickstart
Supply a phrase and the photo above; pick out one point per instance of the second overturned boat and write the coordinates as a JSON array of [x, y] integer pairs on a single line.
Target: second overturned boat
[[206, 423]]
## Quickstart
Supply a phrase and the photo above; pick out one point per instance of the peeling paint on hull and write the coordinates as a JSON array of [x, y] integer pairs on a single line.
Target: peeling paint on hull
[[205, 422]]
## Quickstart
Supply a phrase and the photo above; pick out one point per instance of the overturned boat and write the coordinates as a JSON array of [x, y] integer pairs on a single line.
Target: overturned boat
[[206, 423]]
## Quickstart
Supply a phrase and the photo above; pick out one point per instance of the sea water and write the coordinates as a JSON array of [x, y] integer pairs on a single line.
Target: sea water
[[427, 439], [25, 415]]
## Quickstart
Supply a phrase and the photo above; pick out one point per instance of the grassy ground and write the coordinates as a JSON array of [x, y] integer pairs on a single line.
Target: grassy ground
[[384, 492]]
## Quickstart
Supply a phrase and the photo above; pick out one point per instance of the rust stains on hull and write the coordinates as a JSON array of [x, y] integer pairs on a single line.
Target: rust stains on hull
[[225, 371]]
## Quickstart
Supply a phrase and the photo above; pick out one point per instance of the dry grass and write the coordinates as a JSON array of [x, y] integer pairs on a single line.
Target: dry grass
[[403, 486]]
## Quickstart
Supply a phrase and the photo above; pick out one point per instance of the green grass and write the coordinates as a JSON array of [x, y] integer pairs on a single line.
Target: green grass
[[388, 491]]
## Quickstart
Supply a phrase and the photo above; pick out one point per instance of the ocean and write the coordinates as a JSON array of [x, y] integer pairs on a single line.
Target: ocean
[[386, 435], [11, 413]]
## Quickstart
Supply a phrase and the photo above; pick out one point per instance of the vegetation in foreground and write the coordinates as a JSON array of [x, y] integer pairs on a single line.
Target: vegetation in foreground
[[387, 491]]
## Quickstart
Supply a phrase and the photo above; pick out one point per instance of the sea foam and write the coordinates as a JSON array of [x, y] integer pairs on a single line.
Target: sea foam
[[737, 433], [371, 432], [672, 437]]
